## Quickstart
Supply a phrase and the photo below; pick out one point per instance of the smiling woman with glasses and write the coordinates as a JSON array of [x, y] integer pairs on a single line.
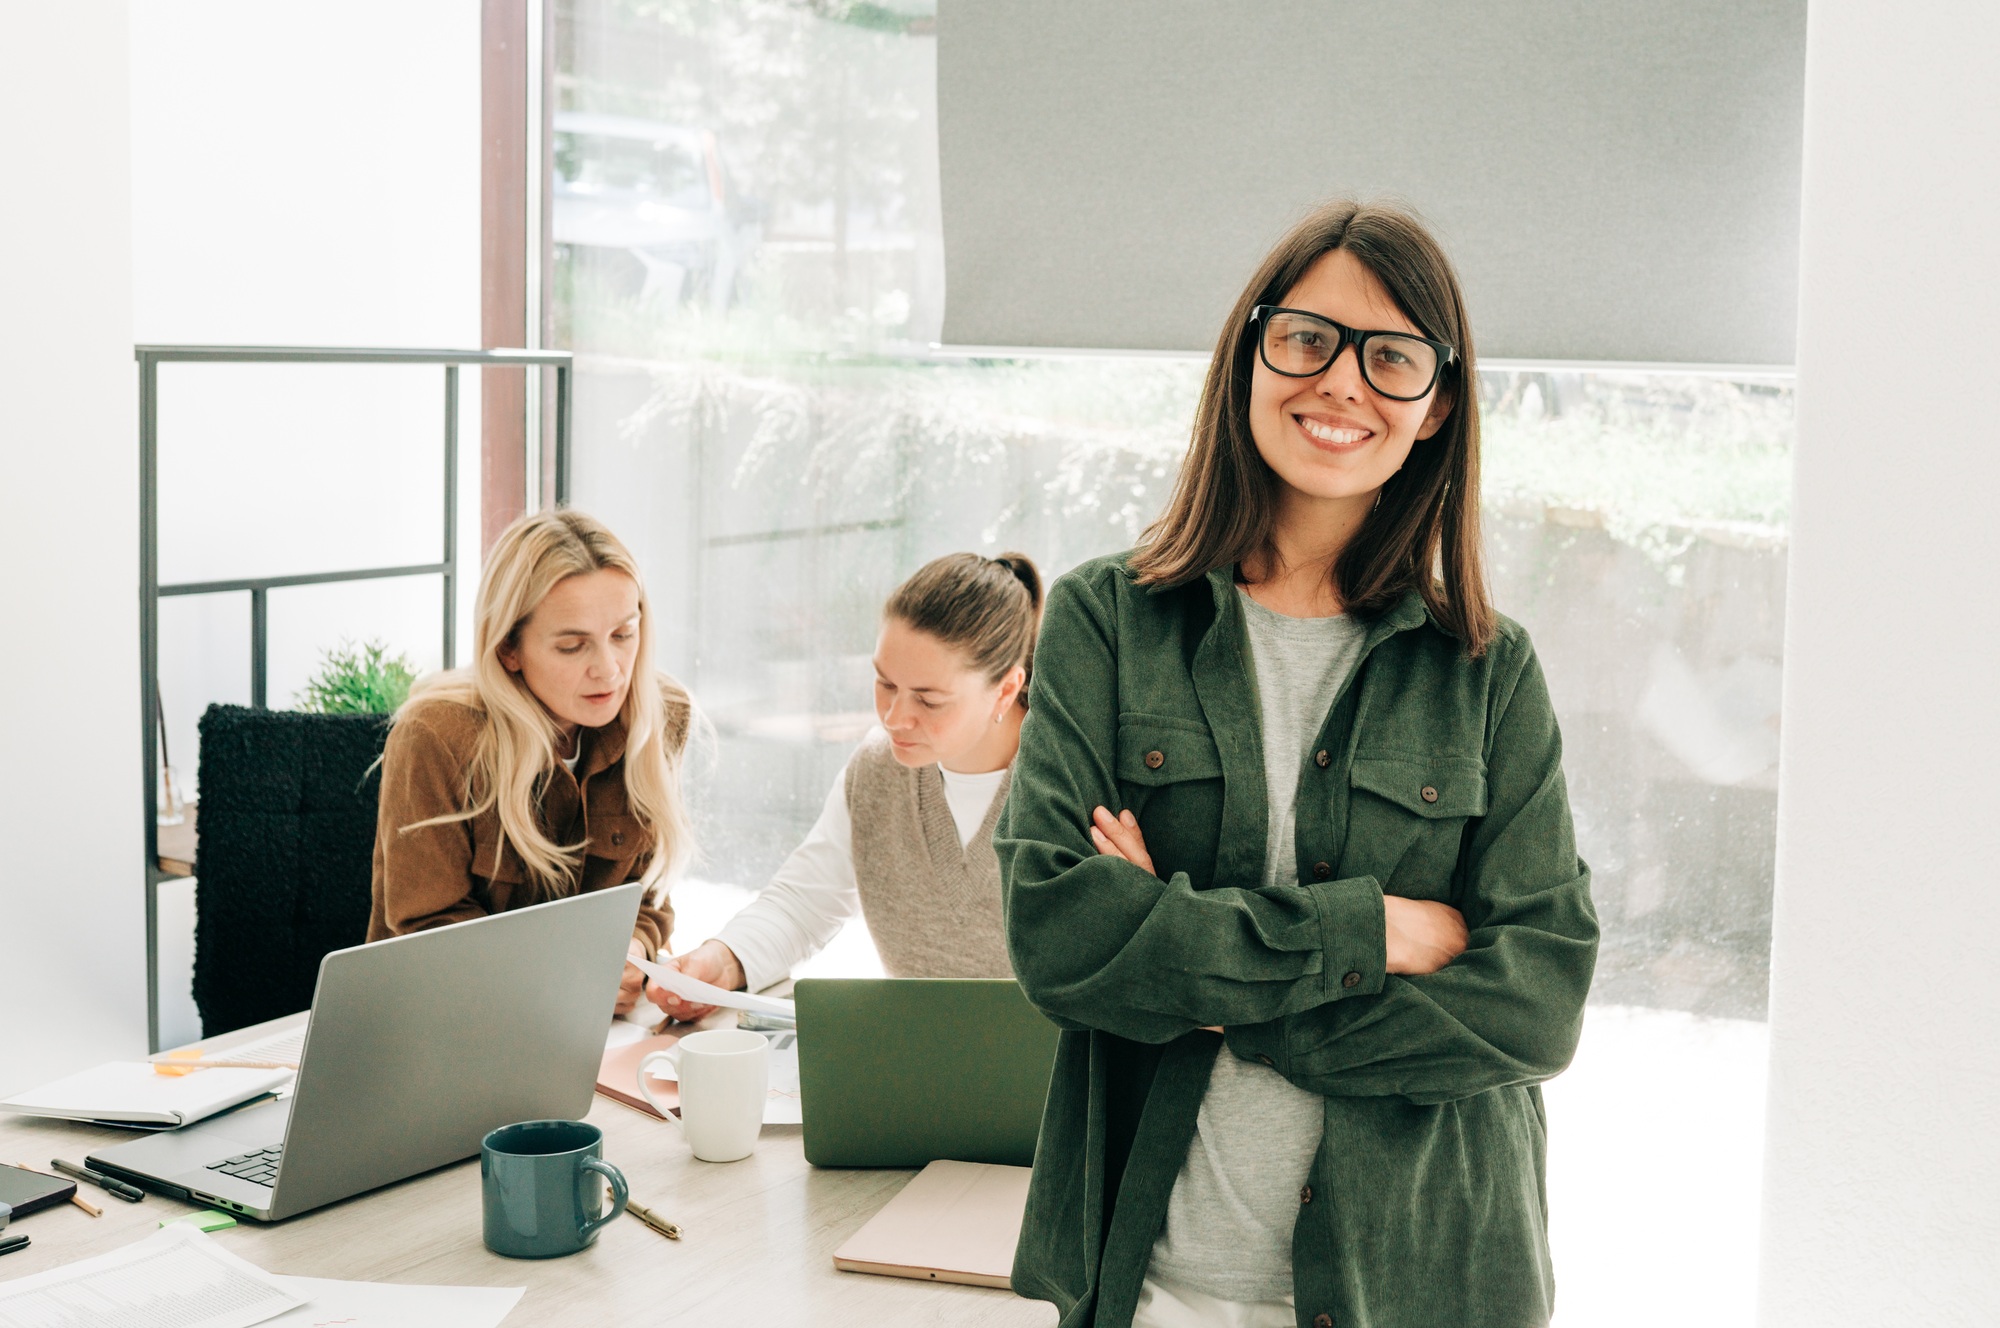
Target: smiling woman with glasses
[[1288, 853]]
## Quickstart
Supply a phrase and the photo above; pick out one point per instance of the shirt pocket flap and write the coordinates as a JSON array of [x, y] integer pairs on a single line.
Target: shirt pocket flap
[[616, 836], [1155, 751], [492, 856], [1436, 787]]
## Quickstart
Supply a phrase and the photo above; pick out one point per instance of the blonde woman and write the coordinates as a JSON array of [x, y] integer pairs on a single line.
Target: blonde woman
[[550, 765]]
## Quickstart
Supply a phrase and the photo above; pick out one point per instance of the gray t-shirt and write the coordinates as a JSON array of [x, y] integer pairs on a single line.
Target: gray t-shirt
[[1230, 1217]]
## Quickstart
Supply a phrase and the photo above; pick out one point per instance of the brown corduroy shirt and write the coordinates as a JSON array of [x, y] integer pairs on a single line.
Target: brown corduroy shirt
[[459, 870]]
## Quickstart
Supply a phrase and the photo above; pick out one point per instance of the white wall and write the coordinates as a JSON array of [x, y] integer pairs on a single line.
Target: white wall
[[71, 886], [1882, 1199], [225, 172], [302, 175]]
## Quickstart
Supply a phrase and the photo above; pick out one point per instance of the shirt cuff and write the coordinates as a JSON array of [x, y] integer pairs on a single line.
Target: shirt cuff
[[1354, 954], [1354, 936], [762, 956]]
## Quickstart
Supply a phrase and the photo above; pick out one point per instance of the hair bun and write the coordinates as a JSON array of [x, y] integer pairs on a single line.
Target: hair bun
[[968, 601], [1024, 570]]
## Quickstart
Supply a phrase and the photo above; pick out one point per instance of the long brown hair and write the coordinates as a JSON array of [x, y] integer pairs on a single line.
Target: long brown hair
[[986, 608], [1426, 521]]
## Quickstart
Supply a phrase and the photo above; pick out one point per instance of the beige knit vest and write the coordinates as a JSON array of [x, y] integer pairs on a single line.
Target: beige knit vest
[[932, 905]]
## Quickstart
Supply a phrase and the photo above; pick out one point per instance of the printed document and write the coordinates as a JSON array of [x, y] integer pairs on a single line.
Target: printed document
[[178, 1276], [388, 1305], [183, 1278]]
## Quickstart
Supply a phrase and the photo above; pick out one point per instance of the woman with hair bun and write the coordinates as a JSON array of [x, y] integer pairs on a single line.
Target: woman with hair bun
[[906, 835], [549, 765]]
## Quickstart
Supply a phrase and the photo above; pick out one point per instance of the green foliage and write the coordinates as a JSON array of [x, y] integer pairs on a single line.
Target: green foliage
[[358, 680]]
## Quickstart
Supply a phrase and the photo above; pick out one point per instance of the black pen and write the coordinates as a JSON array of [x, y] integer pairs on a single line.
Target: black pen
[[8, 1244], [129, 1193]]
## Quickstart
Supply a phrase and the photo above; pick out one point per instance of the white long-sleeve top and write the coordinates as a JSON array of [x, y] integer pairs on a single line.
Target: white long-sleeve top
[[815, 892]]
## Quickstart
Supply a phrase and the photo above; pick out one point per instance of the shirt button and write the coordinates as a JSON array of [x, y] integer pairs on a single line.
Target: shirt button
[[1322, 758], [1155, 759], [1322, 870], [1428, 794], [1305, 1194], [1265, 1059], [1351, 980], [1322, 1321]]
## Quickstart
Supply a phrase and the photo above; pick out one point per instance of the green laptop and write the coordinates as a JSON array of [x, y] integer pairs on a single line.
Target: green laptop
[[900, 1072]]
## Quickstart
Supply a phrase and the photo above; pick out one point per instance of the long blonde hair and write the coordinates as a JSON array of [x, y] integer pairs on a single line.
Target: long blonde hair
[[516, 749]]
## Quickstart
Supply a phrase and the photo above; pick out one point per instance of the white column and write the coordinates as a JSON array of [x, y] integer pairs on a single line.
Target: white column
[[1882, 1174], [72, 912]]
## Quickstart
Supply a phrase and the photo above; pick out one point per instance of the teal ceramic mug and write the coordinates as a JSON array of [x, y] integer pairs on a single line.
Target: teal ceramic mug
[[544, 1188]]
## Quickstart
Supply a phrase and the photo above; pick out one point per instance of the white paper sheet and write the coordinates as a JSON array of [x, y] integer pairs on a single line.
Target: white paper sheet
[[782, 1107], [176, 1276], [388, 1305], [704, 993], [624, 1033]]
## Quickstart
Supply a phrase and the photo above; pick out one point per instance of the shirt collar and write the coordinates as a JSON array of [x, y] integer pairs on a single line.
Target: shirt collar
[[602, 747], [1407, 612]]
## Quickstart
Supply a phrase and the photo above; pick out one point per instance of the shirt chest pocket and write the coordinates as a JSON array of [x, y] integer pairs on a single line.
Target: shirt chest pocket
[[1170, 776], [1406, 819]]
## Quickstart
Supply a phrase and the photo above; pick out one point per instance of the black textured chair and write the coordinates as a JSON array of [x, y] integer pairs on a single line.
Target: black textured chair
[[287, 837]]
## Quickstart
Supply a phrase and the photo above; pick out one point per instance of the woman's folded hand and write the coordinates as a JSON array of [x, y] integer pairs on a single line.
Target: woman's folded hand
[[1423, 936], [1119, 837]]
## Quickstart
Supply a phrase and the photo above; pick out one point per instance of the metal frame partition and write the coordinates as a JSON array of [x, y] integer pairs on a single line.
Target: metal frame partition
[[150, 359]]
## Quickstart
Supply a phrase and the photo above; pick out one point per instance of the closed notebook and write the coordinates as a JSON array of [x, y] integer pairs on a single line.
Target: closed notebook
[[954, 1222], [618, 1074], [130, 1093]]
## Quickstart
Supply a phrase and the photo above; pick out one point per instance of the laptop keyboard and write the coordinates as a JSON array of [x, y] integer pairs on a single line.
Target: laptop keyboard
[[259, 1167]]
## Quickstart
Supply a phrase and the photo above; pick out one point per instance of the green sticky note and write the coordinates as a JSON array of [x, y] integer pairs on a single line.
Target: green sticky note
[[210, 1220]]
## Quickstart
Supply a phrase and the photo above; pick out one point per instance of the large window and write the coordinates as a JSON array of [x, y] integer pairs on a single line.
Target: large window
[[749, 264]]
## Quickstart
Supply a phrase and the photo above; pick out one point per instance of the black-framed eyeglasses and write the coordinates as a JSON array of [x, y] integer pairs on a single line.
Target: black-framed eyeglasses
[[1298, 344]]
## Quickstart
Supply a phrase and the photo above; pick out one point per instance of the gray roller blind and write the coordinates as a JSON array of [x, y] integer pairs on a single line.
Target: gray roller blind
[[1616, 180]]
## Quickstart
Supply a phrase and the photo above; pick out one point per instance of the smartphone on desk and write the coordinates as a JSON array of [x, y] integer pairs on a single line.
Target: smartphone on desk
[[25, 1191]]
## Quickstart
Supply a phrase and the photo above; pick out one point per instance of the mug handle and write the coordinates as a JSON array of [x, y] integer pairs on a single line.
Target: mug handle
[[619, 1194], [671, 1058]]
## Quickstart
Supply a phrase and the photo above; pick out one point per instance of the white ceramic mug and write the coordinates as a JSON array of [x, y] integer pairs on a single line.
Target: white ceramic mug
[[725, 1077]]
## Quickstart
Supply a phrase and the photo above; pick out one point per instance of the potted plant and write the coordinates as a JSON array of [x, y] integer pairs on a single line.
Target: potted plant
[[358, 680]]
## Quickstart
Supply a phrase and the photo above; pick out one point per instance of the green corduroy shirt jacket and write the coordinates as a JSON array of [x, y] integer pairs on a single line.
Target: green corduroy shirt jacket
[[1435, 776]]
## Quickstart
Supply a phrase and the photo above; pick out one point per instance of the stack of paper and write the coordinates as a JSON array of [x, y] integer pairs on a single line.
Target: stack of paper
[[181, 1277]]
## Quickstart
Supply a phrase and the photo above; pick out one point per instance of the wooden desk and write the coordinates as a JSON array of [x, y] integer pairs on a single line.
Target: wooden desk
[[758, 1249]]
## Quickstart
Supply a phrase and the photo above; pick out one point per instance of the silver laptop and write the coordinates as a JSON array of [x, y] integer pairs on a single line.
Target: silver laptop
[[416, 1047]]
